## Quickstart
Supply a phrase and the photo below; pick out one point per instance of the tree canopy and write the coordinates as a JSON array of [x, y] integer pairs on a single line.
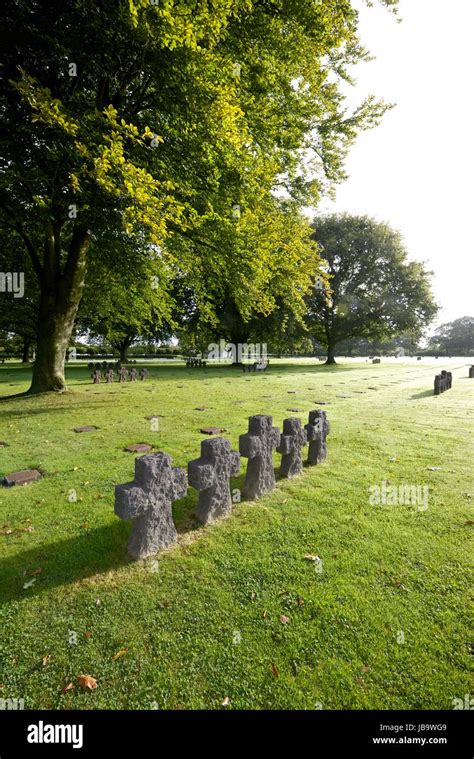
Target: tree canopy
[[160, 120], [455, 338], [374, 290]]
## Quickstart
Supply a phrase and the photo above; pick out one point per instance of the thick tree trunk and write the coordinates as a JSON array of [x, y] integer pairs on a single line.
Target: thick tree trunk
[[331, 355], [59, 301], [238, 339], [123, 346], [54, 331], [123, 352], [26, 351]]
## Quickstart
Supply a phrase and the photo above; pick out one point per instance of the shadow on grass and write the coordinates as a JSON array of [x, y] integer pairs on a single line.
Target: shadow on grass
[[66, 561], [91, 552], [424, 394]]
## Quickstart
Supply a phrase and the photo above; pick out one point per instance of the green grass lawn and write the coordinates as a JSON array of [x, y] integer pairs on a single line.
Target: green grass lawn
[[384, 625]]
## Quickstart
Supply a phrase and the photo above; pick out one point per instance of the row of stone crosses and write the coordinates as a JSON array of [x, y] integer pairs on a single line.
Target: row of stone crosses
[[123, 374], [148, 499]]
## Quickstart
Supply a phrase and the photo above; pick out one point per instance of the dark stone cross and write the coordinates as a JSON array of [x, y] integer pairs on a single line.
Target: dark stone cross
[[147, 500], [143, 374], [292, 441], [448, 379], [317, 429], [210, 474], [443, 382], [257, 446]]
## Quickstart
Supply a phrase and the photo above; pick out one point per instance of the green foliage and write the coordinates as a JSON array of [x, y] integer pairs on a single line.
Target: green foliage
[[374, 290], [174, 113], [454, 338], [18, 315], [126, 294]]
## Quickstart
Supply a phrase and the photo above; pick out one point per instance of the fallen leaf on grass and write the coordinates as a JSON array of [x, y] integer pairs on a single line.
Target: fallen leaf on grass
[[226, 701], [87, 682], [35, 572], [29, 584], [46, 659], [69, 686], [119, 654], [88, 635], [311, 557], [284, 619], [276, 673]]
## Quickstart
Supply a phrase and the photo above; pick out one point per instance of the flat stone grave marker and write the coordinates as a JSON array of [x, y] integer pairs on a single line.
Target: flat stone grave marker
[[86, 428], [296, 410], [291, 392], [147, 500], [212, 430], [138, 448], [320, 403], [292, 440], [257, 445], [22, 478], [201, 408], [153, 416], [210, 474]]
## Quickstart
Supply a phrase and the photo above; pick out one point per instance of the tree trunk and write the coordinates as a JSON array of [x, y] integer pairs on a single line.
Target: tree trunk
[[122, 346], [59, 301], [331, 355], [26, 351]]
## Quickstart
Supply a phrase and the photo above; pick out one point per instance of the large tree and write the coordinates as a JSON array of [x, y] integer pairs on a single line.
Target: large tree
[[274, 232], [160, 117], [374, 290], [126, 297], [454, 338]]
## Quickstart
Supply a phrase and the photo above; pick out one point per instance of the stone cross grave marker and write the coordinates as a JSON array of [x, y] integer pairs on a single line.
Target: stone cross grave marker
[[257, 445], [109, 376], [122, 374], [318, 428], [133, 375], [148, 500], [210, 474], [97, 376], [293, 439]]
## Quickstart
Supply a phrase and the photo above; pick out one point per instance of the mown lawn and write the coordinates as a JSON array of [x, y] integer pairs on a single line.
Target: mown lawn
[[383, 625]]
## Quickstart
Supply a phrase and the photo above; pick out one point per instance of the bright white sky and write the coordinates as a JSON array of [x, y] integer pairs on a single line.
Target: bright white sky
[[416, 170]]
